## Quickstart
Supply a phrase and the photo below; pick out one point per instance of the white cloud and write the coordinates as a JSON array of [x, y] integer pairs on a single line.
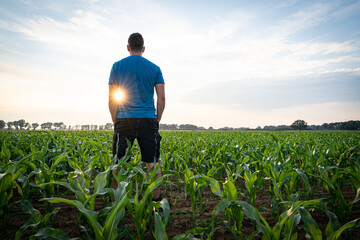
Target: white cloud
[[302, 19], [350, 10]]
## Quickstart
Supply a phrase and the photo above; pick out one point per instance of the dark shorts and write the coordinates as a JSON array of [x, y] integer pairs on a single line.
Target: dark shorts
[[145, 130]]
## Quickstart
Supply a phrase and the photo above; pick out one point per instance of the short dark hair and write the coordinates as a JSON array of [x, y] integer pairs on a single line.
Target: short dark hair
[[136, 42]]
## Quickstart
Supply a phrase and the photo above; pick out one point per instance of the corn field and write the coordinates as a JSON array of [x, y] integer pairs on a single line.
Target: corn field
[[216, 185]]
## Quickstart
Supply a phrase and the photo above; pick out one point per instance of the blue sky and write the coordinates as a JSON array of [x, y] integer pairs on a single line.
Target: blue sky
[[225, 63]]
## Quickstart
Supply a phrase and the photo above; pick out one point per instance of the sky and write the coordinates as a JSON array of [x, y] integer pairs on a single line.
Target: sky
[[225, 63]]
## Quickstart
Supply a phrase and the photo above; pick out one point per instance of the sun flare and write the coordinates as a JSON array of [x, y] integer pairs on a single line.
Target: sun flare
[[119, 95]]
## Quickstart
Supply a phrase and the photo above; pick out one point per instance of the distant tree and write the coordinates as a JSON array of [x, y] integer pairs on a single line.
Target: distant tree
[[258, 128], [93, 127], [101, 127], [283, 128], [56, 125], [21, 123], [350, 125], [2, 124], [299, 125], [109, 126], [242, 129], [164, 126], [315, 127], [27, 126], [59, 125], [173, 127], [85, 127], [226, 129], [34, 125], [16, 125], [188, 127], [211, 128], [46, 125], [269, 128], [9, 125]]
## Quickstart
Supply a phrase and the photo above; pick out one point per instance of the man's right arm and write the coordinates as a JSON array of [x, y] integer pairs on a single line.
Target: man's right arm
[[160, 103], [113, 104]]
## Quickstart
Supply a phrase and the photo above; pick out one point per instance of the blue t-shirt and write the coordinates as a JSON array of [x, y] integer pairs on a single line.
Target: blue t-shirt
[[136, 76]]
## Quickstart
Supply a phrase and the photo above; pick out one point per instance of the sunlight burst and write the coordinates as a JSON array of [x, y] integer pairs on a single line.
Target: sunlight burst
[[119, 95]]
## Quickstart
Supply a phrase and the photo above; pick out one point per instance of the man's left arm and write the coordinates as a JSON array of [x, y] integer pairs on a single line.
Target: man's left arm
[[113, 104]]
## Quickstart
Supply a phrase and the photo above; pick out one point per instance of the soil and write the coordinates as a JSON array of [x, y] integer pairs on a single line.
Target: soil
[[67, 217]]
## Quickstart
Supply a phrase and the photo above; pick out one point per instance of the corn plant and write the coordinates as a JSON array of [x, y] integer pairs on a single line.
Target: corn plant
[[141, 210], [194, 185], [229, 204], [8, 181], [5, 196], [79, 183], [341, 208], [250, 183], [109, 228], [39, 224]]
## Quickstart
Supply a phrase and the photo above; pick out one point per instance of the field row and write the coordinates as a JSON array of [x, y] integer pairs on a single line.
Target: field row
[[218, 185]]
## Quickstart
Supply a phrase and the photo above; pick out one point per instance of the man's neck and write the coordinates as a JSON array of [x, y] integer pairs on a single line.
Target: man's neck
[[135, 53]]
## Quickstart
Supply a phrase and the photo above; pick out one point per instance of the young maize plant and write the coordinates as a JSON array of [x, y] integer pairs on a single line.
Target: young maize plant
[[40, 224], [107, 231], [142, 210]]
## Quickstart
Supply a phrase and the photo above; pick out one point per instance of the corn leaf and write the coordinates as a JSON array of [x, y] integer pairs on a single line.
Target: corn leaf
[[310, 226]]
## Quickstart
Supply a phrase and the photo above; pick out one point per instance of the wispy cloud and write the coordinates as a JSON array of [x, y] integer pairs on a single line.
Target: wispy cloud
[[302, 19], [81, 33]]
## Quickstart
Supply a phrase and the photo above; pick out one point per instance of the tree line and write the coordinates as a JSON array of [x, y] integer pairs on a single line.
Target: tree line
[[296, 125], [23, 125]]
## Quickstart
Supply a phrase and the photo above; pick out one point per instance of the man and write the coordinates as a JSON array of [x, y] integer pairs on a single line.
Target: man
[[134, 115]]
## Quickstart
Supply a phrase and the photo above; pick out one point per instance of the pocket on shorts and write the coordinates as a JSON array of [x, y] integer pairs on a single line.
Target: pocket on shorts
[[153, 124]]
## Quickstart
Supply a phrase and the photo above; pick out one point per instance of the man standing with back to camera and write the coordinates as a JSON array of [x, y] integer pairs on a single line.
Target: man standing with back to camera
[[134, 115]]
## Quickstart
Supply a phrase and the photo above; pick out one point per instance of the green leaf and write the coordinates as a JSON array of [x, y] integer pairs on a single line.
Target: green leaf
[[333, 224], [221, 206], [157, 183], [153, 172], [310, 226], [357, 197], [90, 215], [164, 204], [61, 158], [336, 235], [230, 190], [22, 230], [215, 187], [160, 232], [28, 208], [290, 232], [5, 182], [305, 179], [100, 181], [112, 220], [253, 214], [50, 233]]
